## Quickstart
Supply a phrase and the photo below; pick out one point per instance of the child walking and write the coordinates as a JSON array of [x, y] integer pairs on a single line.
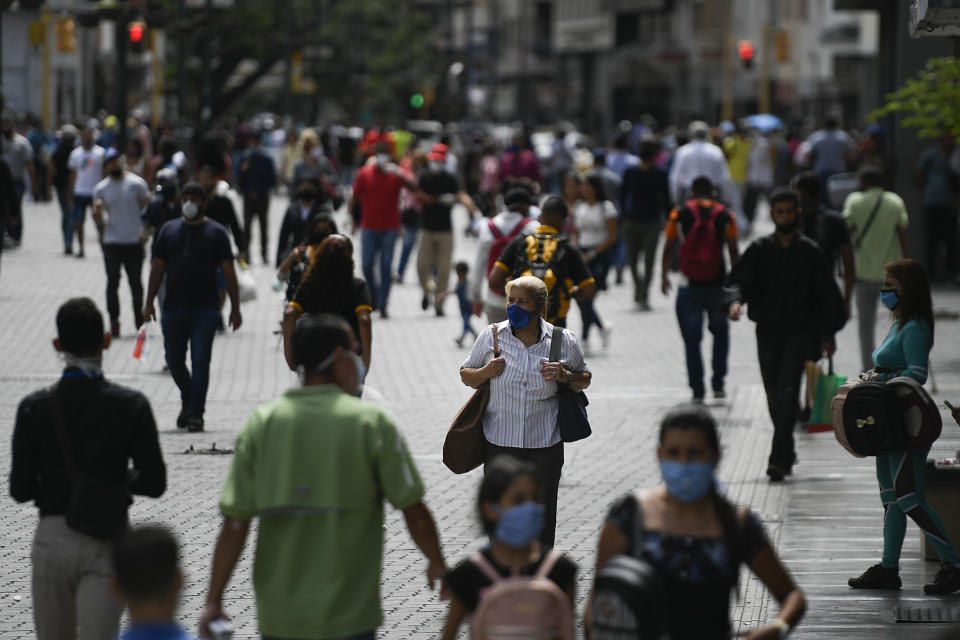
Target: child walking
[[463, 298]]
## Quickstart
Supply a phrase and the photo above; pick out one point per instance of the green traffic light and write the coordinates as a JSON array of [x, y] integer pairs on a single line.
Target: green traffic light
[[416, 100]]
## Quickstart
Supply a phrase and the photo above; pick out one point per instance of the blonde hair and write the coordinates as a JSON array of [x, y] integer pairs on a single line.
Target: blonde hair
[[534, 285]]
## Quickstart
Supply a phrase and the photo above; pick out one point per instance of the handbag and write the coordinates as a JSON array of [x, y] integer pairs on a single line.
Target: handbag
[[826, 388], [464, 444], [95, 507], [572, 410]]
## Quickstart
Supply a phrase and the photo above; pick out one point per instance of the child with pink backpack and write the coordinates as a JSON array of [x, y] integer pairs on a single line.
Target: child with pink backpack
[[509, 587]]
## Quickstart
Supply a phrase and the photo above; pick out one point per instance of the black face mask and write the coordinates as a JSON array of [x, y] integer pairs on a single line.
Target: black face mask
[[787, 229], [116, 173], [306, 196]]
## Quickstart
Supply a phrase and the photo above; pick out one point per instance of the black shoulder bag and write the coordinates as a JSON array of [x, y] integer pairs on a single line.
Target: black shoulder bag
[[94, 507], [572, 411], [866, 227]]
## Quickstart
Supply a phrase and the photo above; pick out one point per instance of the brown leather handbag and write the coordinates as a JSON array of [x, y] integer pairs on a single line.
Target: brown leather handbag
[[463, 446]]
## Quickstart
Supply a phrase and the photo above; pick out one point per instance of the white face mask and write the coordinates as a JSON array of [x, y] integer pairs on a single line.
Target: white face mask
[[190, 209], [383, 159], [436, 166]]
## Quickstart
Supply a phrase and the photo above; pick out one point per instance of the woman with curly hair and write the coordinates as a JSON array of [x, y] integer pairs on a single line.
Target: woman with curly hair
[[329, 286]]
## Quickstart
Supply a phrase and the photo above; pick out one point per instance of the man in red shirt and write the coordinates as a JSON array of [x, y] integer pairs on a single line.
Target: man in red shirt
[[377, 191]]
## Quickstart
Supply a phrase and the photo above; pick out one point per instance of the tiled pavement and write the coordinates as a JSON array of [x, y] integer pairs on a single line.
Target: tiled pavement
[[825, 520]]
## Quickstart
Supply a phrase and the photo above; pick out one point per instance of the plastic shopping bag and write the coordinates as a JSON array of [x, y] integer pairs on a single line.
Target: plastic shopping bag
[[246, 286], [143, 343], [821, 417]]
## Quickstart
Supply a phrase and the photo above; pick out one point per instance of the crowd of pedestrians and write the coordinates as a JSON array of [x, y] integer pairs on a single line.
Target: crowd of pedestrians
[[549, 231]]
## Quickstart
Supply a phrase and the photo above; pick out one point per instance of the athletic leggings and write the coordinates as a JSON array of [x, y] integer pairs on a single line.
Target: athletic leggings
[[902, 491]]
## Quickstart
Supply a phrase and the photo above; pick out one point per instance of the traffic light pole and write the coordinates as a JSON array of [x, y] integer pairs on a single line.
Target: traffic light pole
[[120, 43]]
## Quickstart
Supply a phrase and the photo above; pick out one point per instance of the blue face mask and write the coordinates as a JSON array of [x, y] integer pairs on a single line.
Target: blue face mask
[[687, 481], [889, 298], [519, 526], [519, 317]]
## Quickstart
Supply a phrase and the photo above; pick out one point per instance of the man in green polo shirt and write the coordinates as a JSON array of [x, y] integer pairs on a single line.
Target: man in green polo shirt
[[315, 466], [878, 227]]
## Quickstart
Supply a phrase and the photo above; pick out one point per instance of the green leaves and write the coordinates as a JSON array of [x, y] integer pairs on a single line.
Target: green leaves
[[928, 102]]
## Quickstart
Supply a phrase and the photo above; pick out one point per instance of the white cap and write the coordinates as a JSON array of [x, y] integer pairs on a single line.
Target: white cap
[[698, 129]]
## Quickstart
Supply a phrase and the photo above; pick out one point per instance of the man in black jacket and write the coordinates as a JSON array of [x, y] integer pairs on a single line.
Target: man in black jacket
[[308, 202], [793, 298], [99, 429]]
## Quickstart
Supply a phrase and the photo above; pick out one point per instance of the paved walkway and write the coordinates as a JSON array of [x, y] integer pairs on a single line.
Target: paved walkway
[[825, 520]]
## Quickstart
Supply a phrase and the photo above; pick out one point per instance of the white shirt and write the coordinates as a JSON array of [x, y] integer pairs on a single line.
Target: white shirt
[[123, 200], [700, 158], [760, 164], [591, 221], [522, 411], [505, 222], [88, 163]]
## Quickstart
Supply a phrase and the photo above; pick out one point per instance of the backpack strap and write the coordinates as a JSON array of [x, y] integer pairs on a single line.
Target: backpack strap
[[549, 562], [493, 229], [873, 215], [496, 341], [729, 516], [517, 229], [638, 528], [480, 562]]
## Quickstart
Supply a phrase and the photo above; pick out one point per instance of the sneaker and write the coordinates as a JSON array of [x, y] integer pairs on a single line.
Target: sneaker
[[696, 400], [804, 416], [182, 419], [115, 329], [439, 311], [719, 394], [459, 341], [877, 577], [68, 250], [776, 473], [425, 303], [645, 306], [194, 424], [946, 581], [605, 332], [383, 314]]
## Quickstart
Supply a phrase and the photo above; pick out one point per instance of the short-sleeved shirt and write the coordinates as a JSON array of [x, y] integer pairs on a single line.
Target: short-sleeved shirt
[[436, 217], [725, 226], [591, 221], [192, 253], [123, 200], [522, 410], [830, 149], [906, 350], [18, 153], [569, 268], [693, 569], [88, 163], [467, 581], [941, 185], [378, 193], [315, 465], [737, 150], [878, 246], [828, 229], [646, 195], [347, 307]]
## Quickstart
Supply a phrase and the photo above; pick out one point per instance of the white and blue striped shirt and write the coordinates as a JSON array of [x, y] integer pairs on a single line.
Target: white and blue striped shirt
[[522, 411]]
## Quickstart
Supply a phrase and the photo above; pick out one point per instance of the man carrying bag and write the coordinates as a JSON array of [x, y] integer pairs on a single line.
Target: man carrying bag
[[72, 448]]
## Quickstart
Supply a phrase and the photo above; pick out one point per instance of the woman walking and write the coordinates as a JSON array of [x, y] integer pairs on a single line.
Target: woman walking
[[595, 218], [521, 416]]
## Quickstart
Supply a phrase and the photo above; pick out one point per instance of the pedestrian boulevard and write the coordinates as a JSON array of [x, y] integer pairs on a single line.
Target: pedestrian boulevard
[[825, 521]]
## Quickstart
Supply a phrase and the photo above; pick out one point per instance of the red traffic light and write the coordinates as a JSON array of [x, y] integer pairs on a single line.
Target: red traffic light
[[136, 32], [746, 50]]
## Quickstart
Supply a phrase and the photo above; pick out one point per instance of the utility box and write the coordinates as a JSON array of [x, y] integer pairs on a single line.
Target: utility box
[[934, 18], [943, 495]]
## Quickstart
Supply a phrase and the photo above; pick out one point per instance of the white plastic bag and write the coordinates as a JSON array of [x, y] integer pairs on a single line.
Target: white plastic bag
[[246, 286]]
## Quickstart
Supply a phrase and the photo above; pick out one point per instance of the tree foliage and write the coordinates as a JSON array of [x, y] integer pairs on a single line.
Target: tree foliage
[[928, 102]]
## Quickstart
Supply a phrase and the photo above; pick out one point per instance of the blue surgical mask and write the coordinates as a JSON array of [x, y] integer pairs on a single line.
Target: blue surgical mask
[[519, 317], [687, 481], [889, 298], [519, 526], [361, 372]]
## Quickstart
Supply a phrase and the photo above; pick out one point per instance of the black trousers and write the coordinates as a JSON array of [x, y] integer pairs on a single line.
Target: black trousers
[[549, 464], [255, 205], [130, 257], [782, 356]]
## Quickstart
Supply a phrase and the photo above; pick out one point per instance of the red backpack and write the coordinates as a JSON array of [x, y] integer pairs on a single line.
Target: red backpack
[[500, 243], [701, 255], [522, 607]]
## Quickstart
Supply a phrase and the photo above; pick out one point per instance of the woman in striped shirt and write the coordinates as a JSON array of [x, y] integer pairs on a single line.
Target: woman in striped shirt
[[521, 416]]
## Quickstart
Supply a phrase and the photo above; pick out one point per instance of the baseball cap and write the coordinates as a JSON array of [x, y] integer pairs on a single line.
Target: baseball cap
[[438, 152], [111, 153], [698, 128]]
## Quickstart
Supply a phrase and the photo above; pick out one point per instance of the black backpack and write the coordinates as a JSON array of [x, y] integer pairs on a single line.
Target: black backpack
[[547, 254], [873, 419]]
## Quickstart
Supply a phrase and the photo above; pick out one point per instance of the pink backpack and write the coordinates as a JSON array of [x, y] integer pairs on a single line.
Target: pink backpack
[[522, 607]]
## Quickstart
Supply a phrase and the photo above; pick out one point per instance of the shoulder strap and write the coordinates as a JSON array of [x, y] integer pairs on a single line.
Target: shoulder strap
[[485, 567], [496, 340], [57, 413], [637, 523], [493, 229], [548, 564], [517, 229], [718, 208], [873, 215], [556, 344]]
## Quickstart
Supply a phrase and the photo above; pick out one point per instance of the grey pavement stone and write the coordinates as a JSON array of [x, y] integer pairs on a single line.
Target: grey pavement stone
[[414, 377]]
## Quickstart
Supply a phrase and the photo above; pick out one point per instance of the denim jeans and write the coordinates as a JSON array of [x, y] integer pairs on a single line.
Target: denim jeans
[[410, 232], [77, 216], [196, 327], [692, 303], [373, 243]]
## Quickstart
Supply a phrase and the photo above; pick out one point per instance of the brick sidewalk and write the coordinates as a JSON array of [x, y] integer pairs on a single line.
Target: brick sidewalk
[[414, 376]]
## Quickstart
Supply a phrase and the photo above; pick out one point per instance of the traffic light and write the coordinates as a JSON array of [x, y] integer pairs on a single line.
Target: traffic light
[[746, 51], [416, 100], [136, 32], [66, 30]]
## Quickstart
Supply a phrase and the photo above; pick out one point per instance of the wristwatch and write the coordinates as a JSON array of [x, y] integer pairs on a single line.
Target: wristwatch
[[569, 377]]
